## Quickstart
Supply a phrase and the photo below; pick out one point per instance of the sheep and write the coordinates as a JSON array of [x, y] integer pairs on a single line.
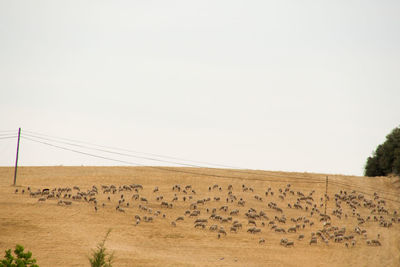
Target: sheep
[[164, 204], [120, 209], [221, 231], [289, 244], [213, 227], [253, 230], [202, 225], [179, 218], [234, 212], [374, 243], [237, 225], [201, 221], [252, 222]]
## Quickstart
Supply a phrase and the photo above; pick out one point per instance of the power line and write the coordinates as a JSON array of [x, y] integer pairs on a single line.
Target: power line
[[161, 168], [153, 159], [5, 134], [297, 179], [134, 151], [9, 137], [112, 152]]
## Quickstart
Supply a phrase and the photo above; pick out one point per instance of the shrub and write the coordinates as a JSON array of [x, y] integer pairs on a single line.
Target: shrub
[[386, 158], [100, 256], [22, 260]]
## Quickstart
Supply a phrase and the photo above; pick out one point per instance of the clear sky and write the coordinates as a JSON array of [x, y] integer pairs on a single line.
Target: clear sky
[[277, 85]]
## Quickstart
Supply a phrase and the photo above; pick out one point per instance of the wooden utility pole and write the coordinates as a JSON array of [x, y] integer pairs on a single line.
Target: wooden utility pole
[[16, 159], [326, 192]]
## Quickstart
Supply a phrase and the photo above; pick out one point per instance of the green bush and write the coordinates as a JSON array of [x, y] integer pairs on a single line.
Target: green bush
[[386, 158], [100, 257], [22, 260]]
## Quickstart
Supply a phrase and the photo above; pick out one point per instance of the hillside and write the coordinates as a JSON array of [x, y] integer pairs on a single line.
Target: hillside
[[362, 217]]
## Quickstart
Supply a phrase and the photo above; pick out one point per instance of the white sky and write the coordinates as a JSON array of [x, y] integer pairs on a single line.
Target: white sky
[[277, 85]]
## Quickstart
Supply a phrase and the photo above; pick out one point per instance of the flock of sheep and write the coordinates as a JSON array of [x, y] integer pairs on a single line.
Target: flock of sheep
[[225, 210]]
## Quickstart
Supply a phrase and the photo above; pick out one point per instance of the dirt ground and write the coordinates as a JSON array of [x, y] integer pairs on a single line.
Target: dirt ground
[[63, 235]]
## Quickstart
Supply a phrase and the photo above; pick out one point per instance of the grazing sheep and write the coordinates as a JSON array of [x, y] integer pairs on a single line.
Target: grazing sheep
[[237, 225], [120, 209], [201, 221], [202, 225], [221, 231], [289, 244], [213, 227], [253, 230], [148, 219], [252, 222]]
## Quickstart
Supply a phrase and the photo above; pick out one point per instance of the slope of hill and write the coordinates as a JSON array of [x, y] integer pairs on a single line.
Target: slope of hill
[[244, 218]]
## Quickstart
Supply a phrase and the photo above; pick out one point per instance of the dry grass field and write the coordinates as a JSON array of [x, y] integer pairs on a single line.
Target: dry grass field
[[59, 234]]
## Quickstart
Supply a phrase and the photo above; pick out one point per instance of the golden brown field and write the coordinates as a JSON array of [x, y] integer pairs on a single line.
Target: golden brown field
[[63, 235]]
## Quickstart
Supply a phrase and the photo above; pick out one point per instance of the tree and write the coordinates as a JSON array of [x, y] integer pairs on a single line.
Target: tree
[[22, 260], [100, 256], [386, 158]]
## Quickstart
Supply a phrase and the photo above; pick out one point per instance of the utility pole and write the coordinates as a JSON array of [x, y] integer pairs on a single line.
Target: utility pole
[[326, 192], [16, 159]]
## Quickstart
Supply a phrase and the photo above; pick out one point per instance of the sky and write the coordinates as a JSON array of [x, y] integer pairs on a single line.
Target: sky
[[306, 86]]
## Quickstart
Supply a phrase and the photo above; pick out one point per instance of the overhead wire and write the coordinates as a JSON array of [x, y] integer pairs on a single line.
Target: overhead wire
[[158, 160], [306, 180], [6, 134], [112, 152], [134, 151], [170, 169], [8, 137]]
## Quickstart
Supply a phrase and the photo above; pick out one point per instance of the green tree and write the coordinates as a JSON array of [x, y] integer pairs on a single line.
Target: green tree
[[22, 259], [386, 158], [100, 256]]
